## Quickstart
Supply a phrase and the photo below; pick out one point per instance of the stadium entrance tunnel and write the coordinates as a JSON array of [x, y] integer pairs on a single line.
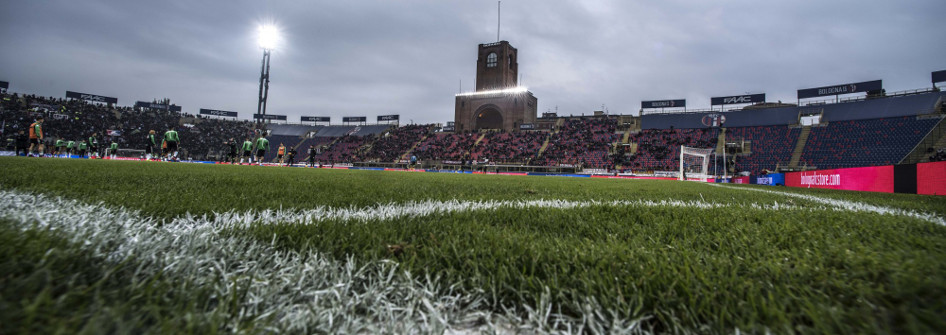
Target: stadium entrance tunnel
[[489, 119]]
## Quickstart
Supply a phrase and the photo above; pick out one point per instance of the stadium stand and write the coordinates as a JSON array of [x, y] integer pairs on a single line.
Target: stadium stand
[[446, 146], [855, 143], [290, 141], [875, 131], [376, 129], [768, 146], [297, 130], [345, 149], [76, 120], [583, 142], [321, 144], [395, 143], [659, 150], [502, 147], [334, 131]]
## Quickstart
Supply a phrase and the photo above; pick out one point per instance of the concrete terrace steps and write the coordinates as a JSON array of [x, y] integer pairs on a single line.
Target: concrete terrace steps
[[545, 144], [935, 138], [800, 146], [407, 154], [721, 141]]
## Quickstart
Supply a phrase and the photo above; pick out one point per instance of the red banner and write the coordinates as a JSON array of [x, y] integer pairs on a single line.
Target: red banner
[[931, 178], [873, 179]]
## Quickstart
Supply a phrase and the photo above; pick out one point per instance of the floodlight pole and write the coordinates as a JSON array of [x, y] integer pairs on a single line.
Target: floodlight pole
[[263, 85]]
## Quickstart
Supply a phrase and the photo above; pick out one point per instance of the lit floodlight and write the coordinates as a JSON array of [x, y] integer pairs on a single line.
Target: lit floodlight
[[517, 89], [268, 37]]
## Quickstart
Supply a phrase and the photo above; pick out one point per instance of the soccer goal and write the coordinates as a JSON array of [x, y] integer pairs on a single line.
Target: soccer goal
[[694, 163]]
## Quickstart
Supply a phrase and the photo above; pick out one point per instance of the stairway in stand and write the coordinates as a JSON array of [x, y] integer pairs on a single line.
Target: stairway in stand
[[800, 146]]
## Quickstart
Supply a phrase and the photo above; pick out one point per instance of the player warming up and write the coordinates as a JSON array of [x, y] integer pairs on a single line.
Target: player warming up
[[291, 157], [281, 153], [262, 145], [231, 150], [93, 145], [113, 150], [150, 143], [36, 138], [247, 151], [172, 140]]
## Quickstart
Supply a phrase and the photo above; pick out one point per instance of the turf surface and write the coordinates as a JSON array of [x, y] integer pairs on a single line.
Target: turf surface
[[748, 260]]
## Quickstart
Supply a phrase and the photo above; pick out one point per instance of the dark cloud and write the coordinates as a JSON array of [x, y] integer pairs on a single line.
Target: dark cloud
[[408, 57]]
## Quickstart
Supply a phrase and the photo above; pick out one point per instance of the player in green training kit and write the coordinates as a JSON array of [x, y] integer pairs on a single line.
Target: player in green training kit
[[262, 144], [60, 147], [247, 151], [150, 143], [171, 138], [70, 148], [113, 150], [82, 147], [93, 146]]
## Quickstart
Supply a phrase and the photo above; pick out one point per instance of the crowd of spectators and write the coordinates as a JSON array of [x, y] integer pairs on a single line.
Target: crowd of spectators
[[581, 142], [346, 149], [77, 120], [392, 145], [446, 146], [584, 142], [504, 147]]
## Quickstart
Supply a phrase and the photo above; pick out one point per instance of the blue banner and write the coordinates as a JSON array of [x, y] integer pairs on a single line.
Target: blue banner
[[4, 85], [388, 117], [771, 179], [354, 119], [866, 86]]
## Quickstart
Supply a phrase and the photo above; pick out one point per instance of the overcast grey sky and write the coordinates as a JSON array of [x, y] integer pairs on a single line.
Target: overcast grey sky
[[374, 57]]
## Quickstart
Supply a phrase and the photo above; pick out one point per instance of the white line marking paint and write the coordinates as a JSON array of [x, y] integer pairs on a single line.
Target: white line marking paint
[[847, 205], [432, 207], [307, 292]]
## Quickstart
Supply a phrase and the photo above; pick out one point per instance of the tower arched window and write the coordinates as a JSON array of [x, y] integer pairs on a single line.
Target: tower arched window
[[491, 59]]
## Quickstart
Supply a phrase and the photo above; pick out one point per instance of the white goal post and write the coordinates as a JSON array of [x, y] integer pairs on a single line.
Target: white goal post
[[694, 163]]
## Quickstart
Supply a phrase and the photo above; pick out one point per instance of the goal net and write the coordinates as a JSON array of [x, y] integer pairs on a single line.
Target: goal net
[[694, 163]]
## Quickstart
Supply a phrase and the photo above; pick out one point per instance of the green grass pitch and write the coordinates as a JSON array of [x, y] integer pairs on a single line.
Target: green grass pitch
[[147, 247]]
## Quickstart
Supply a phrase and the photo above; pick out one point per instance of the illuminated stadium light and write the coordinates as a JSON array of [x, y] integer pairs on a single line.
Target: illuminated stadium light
[[518, 89], [268, 37], [268, 40]]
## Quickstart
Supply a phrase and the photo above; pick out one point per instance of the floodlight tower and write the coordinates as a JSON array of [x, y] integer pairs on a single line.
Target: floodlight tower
[[267, 41]]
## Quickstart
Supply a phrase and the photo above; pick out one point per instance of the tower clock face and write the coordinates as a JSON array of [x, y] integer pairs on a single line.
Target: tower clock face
[[491, 59]]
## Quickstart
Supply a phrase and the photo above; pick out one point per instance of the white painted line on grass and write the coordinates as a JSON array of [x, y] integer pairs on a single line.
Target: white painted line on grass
[[303, 292], [433, 207], [848, 205]]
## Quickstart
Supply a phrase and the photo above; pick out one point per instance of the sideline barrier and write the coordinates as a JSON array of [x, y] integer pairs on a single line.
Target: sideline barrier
[[920, 178], [771, 179], [871, 179], [931, 178]]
